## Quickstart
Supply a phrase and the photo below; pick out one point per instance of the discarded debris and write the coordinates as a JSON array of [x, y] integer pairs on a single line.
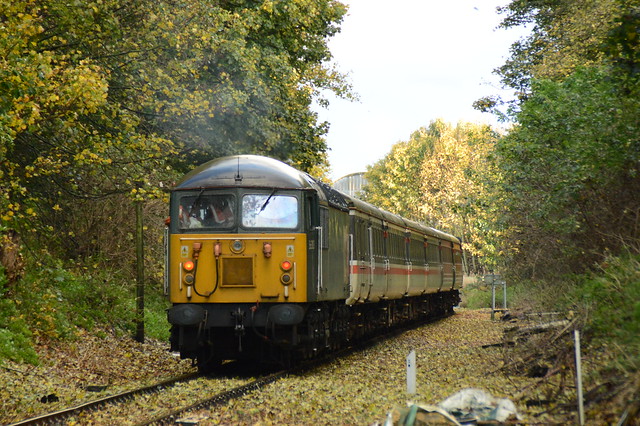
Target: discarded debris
[[468, 406], [540, 328], [417, 414], [476, 404]]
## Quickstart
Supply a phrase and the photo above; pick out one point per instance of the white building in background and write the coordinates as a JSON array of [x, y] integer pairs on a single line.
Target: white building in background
[[351, 184]]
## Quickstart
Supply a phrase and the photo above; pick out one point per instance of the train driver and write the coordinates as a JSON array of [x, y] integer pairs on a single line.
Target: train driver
[[188, 221], [221, 212]]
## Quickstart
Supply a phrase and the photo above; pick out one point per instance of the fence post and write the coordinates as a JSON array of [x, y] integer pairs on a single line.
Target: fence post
[[139, 273], [576, 335], [411, 373]]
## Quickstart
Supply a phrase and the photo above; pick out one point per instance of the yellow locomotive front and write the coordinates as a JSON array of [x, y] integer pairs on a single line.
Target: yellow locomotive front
[[237, 249], [211, 262]]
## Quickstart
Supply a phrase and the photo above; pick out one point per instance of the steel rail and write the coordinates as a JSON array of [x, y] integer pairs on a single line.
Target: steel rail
[[219, 398], [57, 416], [173, 416]]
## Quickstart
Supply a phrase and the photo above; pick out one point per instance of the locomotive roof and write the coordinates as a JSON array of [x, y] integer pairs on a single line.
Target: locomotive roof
[[264, 172], [258, 172], [246, 170]]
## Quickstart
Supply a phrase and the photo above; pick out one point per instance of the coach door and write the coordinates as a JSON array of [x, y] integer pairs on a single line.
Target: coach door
[[446, 251], [434, 272], [362, 265], [377, 262]]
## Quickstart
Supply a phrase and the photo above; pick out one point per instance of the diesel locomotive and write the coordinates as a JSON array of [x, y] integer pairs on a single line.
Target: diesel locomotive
[[266, 263]]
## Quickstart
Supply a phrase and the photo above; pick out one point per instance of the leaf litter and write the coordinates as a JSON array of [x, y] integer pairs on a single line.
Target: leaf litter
[[452, 355], [363, 387]]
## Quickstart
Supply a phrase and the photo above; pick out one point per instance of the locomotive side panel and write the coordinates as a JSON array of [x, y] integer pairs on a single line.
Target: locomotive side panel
[[331, 279]]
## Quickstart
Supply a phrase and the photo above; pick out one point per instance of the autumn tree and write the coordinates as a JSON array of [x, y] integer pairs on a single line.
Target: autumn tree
[[393, 182], [439, 177], [107, 99]]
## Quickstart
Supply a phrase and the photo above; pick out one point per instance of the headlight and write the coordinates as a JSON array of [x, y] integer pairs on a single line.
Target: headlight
[[237, 246], [285, 279], [286, 265], [188, 265]]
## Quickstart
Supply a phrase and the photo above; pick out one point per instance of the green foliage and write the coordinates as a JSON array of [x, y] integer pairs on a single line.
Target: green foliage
[[155, 314], [521, 296], [56, 300], [565, 35], [15, 337], [569, 168], [611, 297], [476, 297]]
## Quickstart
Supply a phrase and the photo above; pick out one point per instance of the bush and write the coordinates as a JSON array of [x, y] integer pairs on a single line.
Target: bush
[[611, 299], [15, 337], [56, 300]]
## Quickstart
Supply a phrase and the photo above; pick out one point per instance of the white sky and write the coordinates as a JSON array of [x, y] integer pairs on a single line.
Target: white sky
[[411, 62]]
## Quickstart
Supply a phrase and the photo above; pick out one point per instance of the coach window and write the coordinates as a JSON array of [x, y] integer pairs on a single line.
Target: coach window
[[432, 252], [447, 256], [397, 247], [417, 251], [269, 211]]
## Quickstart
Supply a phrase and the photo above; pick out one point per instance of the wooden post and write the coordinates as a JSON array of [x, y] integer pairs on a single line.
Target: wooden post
[[139, 274]]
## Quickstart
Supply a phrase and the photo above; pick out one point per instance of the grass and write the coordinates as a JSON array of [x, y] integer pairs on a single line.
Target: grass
[[53, 301]]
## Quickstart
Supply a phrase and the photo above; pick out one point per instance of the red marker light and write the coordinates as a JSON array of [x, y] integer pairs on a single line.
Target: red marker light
[[188, 265], [286, 265]]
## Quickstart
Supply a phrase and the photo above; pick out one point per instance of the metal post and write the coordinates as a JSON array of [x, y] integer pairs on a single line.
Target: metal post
[[411, 373], [576, 335], [493, 300], [139, 274], [504, 295]]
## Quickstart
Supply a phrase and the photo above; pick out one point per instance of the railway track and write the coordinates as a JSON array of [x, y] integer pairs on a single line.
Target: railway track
[[217, 399], [57, 417], [306, 366], [108, 407]]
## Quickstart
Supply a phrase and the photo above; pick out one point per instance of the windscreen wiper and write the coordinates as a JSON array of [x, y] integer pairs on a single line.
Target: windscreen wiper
[[268, 199], [193, 206]]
